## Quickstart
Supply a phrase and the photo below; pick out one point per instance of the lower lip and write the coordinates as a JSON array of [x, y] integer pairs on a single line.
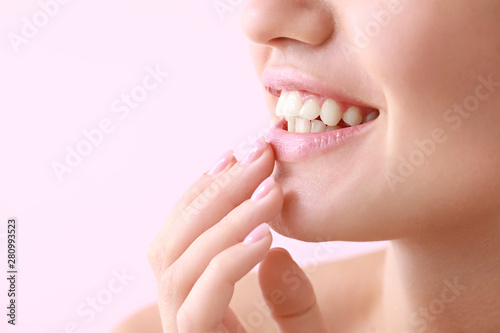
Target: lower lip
[[292, 147]]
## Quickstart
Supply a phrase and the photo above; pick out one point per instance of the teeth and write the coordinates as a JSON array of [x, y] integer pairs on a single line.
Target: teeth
[[332, 128], [370, 117], [317, 126], [302, 125], [293, 104], [353, 116], [304, 117], [291, 123], [330, 112], [310, 110], [281, 104]]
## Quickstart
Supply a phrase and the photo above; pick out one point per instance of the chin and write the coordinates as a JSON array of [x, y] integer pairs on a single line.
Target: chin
[[316, 210], [307, 214]]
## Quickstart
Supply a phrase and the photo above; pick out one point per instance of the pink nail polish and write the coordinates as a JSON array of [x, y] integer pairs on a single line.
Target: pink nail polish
[[263, 189], [257, 234], [224, 160], [258, 148]]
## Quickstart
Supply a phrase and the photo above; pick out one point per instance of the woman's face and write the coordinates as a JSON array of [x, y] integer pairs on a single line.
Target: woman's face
[[431, 68]]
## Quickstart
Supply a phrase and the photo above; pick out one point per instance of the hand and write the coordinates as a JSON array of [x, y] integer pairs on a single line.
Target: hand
[[289, 294], [200, 252]]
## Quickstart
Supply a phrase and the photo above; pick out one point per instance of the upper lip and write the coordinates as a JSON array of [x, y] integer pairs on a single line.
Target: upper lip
[[277, 79]]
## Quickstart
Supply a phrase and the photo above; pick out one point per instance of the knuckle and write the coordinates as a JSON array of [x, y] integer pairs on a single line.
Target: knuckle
[[219, 269], [196, 190], [214, 191], [230, 193], [157, 256], [235, 199], [154, 254], [221, 228], [216, 265], [225, 188], [191, 194], [188, 213]]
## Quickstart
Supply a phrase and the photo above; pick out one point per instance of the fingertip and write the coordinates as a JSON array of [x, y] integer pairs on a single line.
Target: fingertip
[[222, 163], [270, 151], [280, 252], [263, 189], [257, 234], [279, 189]]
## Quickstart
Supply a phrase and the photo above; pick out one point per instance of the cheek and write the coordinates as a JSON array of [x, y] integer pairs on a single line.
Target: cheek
[[432, 70], [428, 60]]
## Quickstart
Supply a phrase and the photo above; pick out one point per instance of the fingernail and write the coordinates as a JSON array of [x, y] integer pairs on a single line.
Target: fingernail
[[258, 148], [263, 189], [257, 234], [222, 163]]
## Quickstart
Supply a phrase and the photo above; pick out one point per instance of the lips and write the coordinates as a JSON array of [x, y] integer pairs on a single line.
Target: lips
[[275, 80], [291, 147], [314, 119]]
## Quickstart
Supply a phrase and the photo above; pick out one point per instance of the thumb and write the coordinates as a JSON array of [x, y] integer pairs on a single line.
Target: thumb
[[289, 294]]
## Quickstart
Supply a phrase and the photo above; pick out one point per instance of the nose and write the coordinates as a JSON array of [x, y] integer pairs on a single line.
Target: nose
[[307, 21]]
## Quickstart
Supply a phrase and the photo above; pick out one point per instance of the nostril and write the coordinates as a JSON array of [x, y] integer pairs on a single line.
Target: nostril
[[305, 21]]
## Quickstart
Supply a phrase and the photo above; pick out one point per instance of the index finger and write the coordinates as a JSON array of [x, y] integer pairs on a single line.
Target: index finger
[[224, 194], [224, 163]]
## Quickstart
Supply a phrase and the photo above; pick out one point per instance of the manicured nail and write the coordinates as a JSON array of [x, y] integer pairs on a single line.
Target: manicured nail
[[257, 234], [222, 163], [258, 148], [263, 189]]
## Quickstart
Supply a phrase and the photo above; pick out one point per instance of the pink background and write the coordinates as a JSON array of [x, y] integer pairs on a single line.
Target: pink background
[[74, 234]]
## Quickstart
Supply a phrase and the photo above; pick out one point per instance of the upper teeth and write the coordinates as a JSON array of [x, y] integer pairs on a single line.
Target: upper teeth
[[301, 117], [330, 112], [292, 104], [353, 116]]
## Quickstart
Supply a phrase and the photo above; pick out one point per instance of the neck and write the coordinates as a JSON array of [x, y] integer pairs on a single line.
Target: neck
[[447, 282]]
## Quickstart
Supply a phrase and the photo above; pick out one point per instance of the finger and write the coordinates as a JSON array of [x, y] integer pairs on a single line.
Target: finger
[[205, 307], [222, 196], [232, 323], [225, 162], [180, 277], [289, 294]]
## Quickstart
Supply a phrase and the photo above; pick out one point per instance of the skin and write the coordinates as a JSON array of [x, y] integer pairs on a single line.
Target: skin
[[442, 217]]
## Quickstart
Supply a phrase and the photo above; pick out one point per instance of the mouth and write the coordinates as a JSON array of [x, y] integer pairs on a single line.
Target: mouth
[[311, 124], [308, 113]]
